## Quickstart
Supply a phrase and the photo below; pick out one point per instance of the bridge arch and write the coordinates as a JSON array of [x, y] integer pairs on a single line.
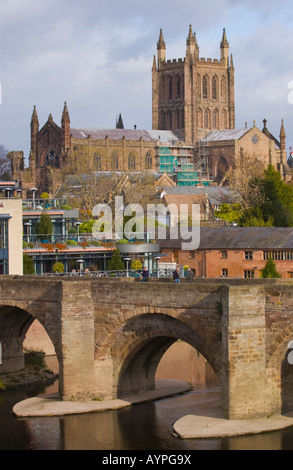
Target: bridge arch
[[15, 321], [280, 367], [140, 345]]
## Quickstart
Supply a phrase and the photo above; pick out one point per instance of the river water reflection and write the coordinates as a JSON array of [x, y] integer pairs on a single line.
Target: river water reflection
[[146, 426]]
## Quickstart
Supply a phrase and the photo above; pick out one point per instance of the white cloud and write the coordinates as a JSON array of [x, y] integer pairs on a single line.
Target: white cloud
[[98, 57]]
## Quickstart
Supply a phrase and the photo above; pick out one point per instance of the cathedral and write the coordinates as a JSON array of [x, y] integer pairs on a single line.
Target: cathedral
[[193, 136]]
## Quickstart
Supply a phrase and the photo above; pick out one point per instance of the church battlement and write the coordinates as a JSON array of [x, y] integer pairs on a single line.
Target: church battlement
[[193, 93]]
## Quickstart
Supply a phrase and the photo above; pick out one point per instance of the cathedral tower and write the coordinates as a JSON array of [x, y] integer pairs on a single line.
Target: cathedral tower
[[193, 96]]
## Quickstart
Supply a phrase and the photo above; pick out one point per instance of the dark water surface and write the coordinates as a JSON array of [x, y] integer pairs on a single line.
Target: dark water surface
[[147, 426], [142, 427]]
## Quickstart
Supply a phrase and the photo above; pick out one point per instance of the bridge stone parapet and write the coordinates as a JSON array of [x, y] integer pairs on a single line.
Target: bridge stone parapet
[[110, 334]]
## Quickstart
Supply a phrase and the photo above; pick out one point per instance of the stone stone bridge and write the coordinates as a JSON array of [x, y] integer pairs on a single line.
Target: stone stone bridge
[[110, 334]]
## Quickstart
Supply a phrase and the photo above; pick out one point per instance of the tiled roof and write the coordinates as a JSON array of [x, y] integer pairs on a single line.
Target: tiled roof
[[188, 199], [235, 238], [129, 134], [71, 250], [229, 134]]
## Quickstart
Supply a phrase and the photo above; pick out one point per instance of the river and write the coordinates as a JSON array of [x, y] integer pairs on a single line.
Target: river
[[145, 426]]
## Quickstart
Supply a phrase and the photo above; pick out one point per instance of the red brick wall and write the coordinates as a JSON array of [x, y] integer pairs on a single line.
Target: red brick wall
[[210, 263]]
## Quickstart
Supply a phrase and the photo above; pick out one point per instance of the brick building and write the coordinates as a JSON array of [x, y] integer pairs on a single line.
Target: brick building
[[234, 252]]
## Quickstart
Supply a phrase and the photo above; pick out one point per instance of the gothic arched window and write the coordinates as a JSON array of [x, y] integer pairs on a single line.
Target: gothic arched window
[[205, 87], [114, 161], [178, 86], [207, 120], [223, 88], [52, 159], [216, 119], [170, 88], [199, 118], [148, 161], [215, 88], [131, 161], [98, 161], [198, 86], [224, 119]]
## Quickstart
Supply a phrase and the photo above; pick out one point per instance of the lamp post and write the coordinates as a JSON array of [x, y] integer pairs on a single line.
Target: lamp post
[[28, 225], [80, 262], [78, 224], [34, 191], [127, 261], [157, 260]]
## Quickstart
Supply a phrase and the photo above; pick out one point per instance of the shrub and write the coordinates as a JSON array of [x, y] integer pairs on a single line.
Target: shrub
[[58, 268], [35, 357], [28, 264], [136, 264], [71, 242]]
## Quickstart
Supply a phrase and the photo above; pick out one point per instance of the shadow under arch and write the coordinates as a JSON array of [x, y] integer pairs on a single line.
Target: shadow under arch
[[14, 325], [281, 367], [141, 344]]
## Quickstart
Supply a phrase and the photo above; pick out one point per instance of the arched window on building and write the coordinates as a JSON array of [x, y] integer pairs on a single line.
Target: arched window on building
[[198, 86], [114, 161], [200, 118], [223, 88], [52, 159], [97, 161], [207, 119], [222, 168], [178, 86], [205, 86], [216, 119], [131, 161], [224, 119], [178, 118], [215, 87], [148, 161], [170, 83], [162, 123]]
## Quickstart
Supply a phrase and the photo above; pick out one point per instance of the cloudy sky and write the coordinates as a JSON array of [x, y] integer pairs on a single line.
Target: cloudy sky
[[97, 56]]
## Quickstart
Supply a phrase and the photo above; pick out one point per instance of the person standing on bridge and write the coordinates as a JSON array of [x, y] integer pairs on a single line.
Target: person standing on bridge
[[145, 274], [176, 276], [190, 275]]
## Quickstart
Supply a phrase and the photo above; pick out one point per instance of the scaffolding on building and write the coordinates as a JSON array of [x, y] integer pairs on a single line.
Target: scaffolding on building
[[177, 160], [202, 164]]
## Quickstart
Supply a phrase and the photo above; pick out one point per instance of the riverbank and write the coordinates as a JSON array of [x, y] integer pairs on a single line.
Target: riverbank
[[29, 377], [207, 420]]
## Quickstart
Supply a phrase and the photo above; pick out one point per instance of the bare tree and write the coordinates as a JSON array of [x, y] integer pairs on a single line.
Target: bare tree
[[85, 185], [5, 164], [244, 182]]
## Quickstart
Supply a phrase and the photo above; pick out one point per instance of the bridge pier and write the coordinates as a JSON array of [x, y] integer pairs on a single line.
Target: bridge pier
[[77, 365], [245, 393]]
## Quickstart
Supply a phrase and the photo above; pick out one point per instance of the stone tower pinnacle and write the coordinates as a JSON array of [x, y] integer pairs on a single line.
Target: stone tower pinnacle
[[161, 49], [224, 47], [192, 49]]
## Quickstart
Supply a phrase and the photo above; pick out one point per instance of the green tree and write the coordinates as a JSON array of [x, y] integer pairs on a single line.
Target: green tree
[[270, 270], [116, 263], [278, 202], [229, 212], [44, 226], [253, 217], [28, 264]]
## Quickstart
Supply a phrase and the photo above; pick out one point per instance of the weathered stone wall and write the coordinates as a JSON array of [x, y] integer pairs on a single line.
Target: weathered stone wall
[[110, 334]]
